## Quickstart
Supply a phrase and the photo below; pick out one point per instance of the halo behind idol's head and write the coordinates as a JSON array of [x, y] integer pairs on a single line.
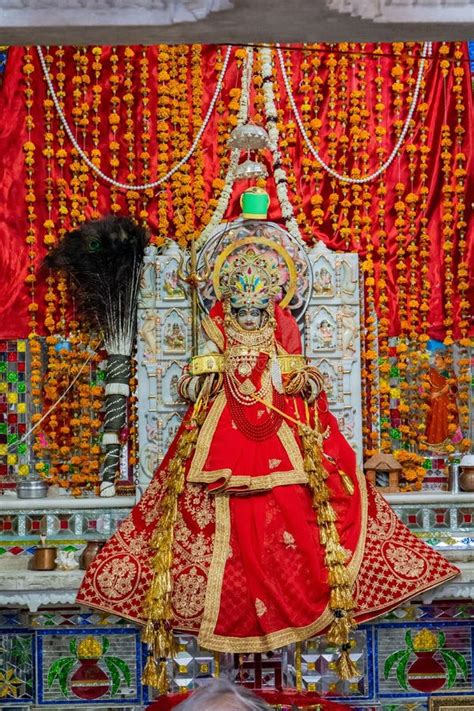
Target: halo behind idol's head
[[286, 273]]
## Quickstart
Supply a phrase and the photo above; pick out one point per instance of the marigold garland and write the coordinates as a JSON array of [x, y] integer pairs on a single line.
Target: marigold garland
[[114, 119], [382, 296], [29, 151], [70, 188], [96, 89], [413, 472], [460, 173], [128, 98], [198, 182]]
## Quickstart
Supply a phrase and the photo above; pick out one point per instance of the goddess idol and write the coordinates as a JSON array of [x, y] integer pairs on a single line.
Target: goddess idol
[[257, 529]]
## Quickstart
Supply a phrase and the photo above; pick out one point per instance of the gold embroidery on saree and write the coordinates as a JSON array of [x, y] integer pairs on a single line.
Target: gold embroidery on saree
[[404, 562], [189, 592]]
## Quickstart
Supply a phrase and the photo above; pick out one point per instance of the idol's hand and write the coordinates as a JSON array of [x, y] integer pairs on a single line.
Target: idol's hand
[[190, 387]]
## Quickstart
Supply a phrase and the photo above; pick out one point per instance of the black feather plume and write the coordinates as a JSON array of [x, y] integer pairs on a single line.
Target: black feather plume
[[104, 260]]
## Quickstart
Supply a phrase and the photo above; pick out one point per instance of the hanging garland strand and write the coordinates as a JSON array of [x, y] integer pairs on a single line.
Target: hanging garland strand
[[272, 129], [426, 52], [96, 169], [226, 192]]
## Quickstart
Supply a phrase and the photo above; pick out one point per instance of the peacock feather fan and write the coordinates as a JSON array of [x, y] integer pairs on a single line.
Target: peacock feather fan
[[104, 260]]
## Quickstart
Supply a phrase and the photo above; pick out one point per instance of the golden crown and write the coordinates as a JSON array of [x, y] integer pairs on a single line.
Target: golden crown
[[250, 279]]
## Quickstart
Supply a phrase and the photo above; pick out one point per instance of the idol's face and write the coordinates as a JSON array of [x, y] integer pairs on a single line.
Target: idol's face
[[249, 318]]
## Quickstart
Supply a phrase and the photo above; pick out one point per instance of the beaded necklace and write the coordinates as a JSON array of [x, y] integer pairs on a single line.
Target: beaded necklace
[[242, 357]]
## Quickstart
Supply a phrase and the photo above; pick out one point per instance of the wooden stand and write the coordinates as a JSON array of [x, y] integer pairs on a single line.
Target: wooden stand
[[382, 463]]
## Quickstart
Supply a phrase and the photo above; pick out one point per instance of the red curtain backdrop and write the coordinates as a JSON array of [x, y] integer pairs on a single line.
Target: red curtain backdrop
[[441, 110]]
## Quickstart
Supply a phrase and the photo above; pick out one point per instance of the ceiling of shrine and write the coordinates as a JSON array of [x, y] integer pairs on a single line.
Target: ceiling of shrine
[[240, 21]]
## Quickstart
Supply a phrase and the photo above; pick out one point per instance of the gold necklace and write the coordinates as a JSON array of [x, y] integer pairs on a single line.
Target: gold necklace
[[252, 339]]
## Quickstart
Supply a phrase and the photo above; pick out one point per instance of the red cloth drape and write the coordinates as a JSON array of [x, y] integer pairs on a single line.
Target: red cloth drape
[[286, 696], [13, 217]]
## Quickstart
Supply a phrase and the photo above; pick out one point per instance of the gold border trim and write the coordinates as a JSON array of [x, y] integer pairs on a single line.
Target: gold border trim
[[373, 612], [207, 638], [215, 574], [205, 438], [247, 482]]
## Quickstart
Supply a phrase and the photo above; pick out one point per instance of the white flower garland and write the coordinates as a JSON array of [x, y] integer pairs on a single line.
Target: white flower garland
[[426, 52], [272, 130], [98, 171], [229, 179]]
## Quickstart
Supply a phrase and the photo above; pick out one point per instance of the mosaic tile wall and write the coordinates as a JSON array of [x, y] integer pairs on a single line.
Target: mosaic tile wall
[[13, 410], [69, 530], [443, 525], [49, 658]]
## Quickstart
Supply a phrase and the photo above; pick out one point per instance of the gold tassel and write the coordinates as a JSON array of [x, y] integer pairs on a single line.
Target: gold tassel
[[150, 673], [340, 630], [346, 668], [341, 598], [337, 575], [157, 606], [319, 498], [346, 482], [148, 633], [162, 684], [309, 463], [326, 513], [341, 601]]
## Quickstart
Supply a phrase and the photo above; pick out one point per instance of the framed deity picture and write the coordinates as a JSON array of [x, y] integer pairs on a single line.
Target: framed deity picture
[[449, 703]]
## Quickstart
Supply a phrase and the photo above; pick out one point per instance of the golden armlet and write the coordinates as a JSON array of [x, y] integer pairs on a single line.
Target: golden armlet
[[214, 363], [210, 363]]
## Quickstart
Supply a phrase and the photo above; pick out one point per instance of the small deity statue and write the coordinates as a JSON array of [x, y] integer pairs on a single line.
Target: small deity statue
[[174, 338], [328, 385], [323, 285], [171, 285], [440, 389], [347, 318], [325, 334]]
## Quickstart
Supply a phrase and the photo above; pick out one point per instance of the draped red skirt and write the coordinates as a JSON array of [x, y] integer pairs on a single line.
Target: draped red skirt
[[248, 565]]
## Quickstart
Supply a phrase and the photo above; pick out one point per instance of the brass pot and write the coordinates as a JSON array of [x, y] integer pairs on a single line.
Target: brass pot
[[89, 553], [466, 480], [44, 558]]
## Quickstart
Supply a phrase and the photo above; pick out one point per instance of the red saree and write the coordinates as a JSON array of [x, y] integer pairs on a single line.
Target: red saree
[[248, 564], [442, 409]]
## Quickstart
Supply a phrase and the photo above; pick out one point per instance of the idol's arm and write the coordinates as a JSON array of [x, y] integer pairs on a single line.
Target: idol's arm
[[203, 377]]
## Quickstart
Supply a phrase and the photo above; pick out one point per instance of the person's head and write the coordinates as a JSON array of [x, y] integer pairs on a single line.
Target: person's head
[[440, 359], [222, 695]]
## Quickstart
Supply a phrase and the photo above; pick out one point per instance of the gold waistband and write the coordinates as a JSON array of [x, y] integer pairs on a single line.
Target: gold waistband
[[214, 363]]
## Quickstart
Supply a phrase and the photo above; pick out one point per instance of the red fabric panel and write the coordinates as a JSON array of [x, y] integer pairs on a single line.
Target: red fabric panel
[[13, 252]]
